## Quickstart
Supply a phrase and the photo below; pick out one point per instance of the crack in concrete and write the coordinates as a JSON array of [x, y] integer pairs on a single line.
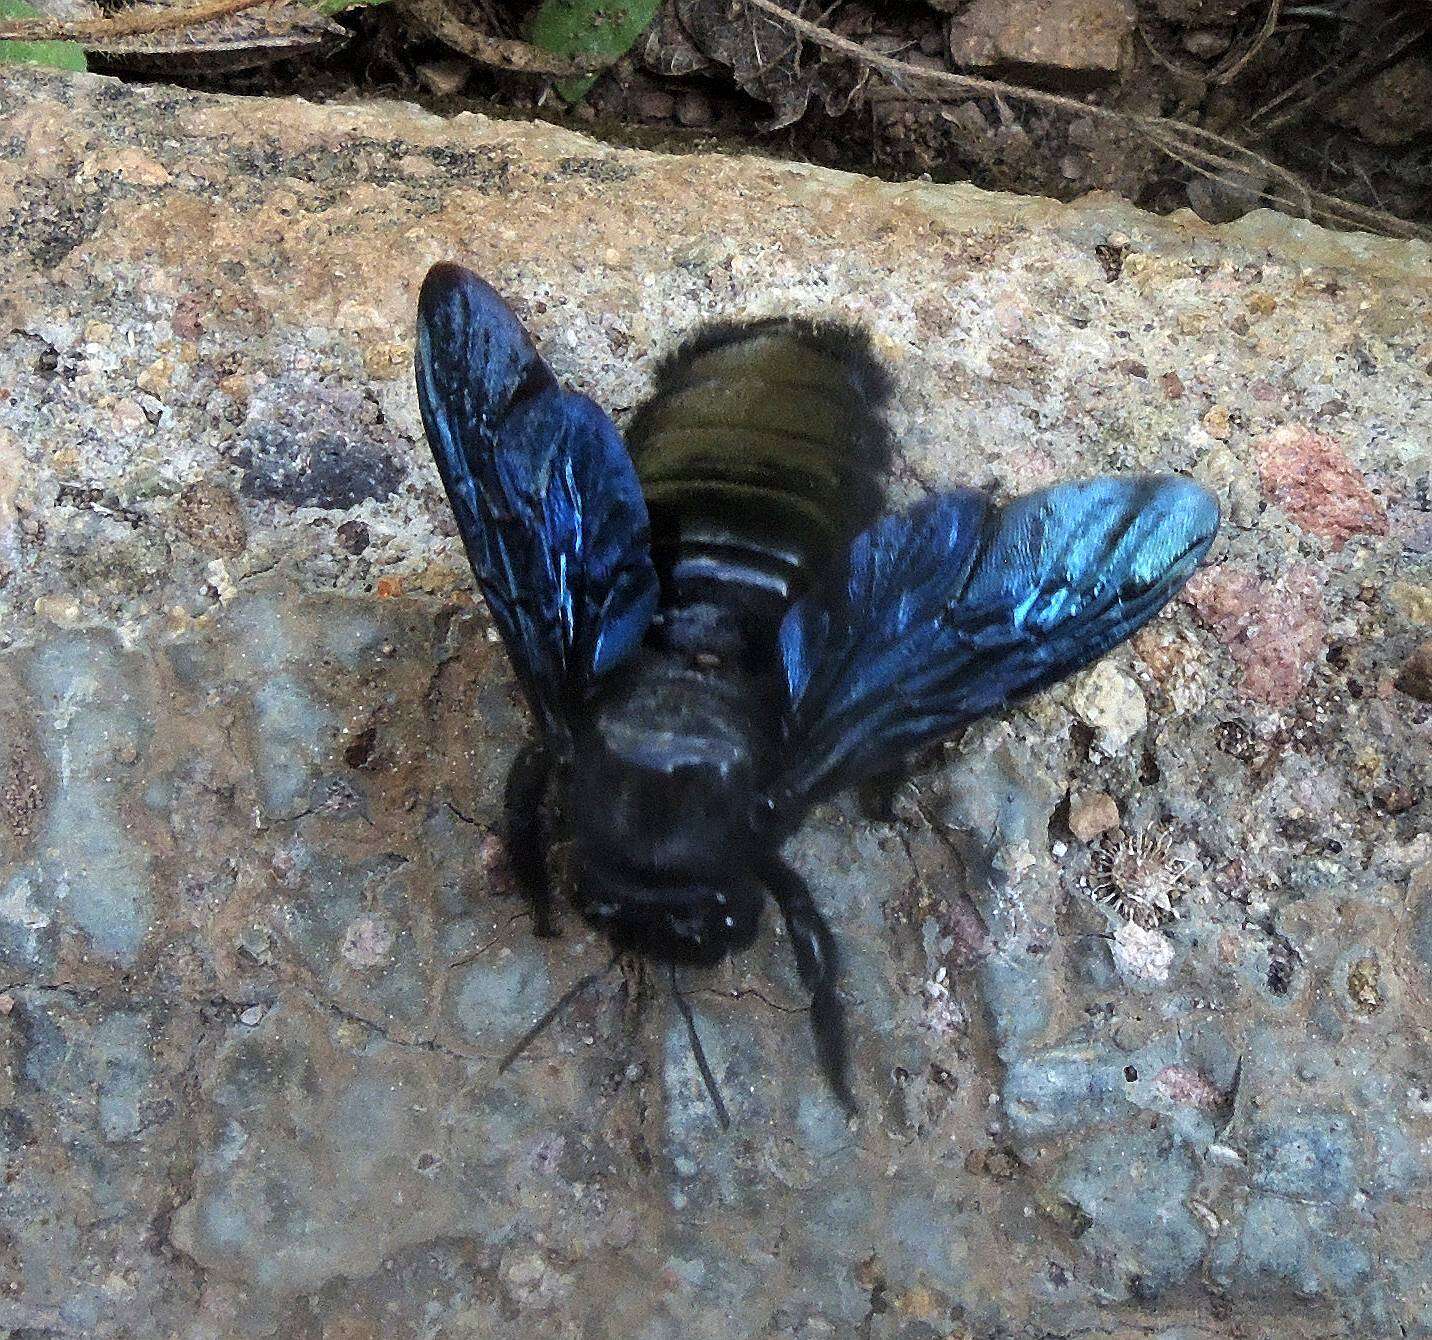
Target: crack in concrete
[[427, 1044], [458, 814], [112, 997], [743, 992], [120, 996]]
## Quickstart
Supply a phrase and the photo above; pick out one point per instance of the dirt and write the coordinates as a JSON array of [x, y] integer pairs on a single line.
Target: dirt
[[1337, 91]]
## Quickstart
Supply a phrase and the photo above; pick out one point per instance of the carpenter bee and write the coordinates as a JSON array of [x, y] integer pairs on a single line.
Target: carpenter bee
[[715, 627]]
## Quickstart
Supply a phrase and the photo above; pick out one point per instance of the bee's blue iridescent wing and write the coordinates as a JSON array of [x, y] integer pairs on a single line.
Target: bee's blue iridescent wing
[[944, 613], [543, 490]]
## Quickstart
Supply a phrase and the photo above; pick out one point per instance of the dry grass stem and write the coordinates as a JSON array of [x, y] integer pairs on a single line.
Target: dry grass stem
[[1230, 70], [439, 20], [131, 23], [1232, 65], [1202, 151], [1294, 103]]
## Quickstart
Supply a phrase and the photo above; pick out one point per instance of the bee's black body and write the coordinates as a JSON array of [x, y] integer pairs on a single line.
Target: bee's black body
[[667, 759], [715, 630], [663, 792]]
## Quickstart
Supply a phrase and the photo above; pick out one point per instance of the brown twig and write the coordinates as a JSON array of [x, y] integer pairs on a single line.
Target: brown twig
[[432, 15], [1231, 66], [1231, 70], [1307, 94], [1202, 151], [899, 70], [131, 23], [1190, 72], [503, 53]]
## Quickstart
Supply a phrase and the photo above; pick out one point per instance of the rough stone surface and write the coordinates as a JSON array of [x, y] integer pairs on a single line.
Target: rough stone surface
[[1092, 813], [1394, 106], [1206, 11], [1069, 37], [1415, 677], [1320, 490], [256, 960], [1111, 705]]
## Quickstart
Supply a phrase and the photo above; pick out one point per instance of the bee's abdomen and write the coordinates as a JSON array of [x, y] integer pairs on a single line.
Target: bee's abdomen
[[762, 452]]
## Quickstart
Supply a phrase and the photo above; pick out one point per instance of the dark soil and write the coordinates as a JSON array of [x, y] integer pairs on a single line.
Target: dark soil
[[1340, 92]]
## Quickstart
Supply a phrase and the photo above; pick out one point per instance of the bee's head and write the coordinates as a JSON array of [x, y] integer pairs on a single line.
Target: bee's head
[[659, 801], [678, 923]]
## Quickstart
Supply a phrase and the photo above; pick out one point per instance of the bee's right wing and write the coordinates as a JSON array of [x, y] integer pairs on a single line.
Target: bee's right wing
[[947, 612], [543, 490]]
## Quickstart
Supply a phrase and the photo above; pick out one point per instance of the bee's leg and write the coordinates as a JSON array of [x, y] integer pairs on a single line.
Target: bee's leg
[[818, 961], [528, 836]]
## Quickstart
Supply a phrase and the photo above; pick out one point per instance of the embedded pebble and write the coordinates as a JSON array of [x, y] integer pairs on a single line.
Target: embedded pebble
[[1092, 813], [1142, 955], [1111, 703]]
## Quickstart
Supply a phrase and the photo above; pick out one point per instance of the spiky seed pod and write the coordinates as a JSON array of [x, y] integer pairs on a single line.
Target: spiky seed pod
[[1138, 876]]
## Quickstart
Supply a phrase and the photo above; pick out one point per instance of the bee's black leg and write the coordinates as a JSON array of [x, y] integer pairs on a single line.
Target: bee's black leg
[[527, 832], [818, 961]]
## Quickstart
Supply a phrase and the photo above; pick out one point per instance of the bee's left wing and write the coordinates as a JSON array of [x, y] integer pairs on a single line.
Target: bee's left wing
[[946, 612], [544, 493]]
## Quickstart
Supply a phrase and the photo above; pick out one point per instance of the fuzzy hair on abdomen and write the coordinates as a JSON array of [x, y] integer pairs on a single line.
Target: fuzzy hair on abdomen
[[762, 452]]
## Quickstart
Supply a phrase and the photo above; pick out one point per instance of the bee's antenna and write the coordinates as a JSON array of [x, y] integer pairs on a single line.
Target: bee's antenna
[[568, 996], [710, 1080]]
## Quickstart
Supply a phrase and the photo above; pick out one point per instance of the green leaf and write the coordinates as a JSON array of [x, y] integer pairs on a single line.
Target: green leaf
[[59, 55], [333, 6], [589, 28]]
